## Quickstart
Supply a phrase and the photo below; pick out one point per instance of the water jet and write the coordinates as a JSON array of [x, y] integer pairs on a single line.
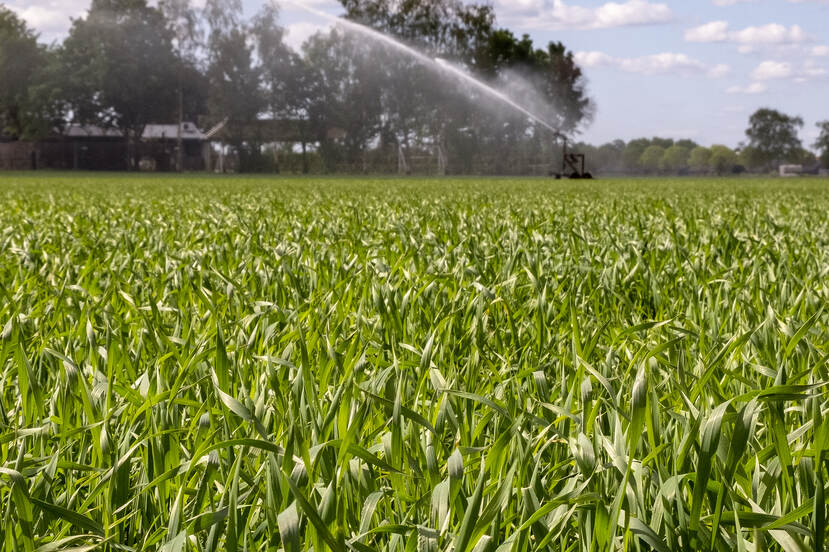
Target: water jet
[[570, 161]]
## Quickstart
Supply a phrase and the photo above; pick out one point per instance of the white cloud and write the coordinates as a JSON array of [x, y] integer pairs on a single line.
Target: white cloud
[[815, 72], [751, 89], [820, 51], [812, 71], [770, 70], [667, 63], [715, 31], [719, 71], [723, 3], [594, 59], [776, 70], [749, 38], [557, 15], [51, 18], [772, 33]]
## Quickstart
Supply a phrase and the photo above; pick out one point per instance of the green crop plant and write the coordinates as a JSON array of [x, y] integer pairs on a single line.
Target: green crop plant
[[224, 364]]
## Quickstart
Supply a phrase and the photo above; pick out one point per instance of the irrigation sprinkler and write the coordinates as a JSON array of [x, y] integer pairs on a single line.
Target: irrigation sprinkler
[[572, 163]]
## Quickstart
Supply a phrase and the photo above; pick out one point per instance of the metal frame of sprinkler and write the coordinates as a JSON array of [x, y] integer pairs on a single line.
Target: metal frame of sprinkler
[[572, 164]]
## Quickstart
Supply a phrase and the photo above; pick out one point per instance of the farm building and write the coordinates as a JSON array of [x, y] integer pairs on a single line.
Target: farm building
[[90, 147]]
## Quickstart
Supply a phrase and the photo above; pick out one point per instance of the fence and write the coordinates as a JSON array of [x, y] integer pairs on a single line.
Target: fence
[[17, 156], [92, 155]]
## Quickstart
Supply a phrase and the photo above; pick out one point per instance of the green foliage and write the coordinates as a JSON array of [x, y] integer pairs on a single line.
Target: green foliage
[[235, 82], [608, 156], [687, 144], [664, 143], [774, 136], [675, 159], [802, 156], [752, 158], [633, 153], [23, 70], [120, 68], [722, 159], [204, 364], [547, 79], [699, 159], [822, 143], [651, 160]]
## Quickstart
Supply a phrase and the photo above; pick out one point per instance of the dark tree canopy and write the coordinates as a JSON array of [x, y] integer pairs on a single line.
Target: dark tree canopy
[[22, 63], [774, 136], [235, 90], [467, 33], [633, 153], [447, 28], [120, 66], [822, 143]]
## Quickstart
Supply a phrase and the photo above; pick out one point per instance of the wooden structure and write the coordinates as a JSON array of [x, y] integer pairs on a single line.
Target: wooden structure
[[93, 148], [260, 131], [18, 156]]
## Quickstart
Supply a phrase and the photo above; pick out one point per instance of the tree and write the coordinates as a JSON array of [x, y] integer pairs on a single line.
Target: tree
[[609, 156], [447, 28], [698, 160], [183, 21], [23, 64], [751, 158], [277, 59], [548, 79], [235, 91], [802, 156], [675, 159], [652, 158], [221, 16], [822, 143], [662, 142], [633, 153], [348, 94], [723, 159], [557, 85], [774, 135], [120, 69], [687, 144]]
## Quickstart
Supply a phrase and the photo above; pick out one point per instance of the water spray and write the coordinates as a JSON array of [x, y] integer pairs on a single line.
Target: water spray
[[444, 67], [441, 65], [466, 77]]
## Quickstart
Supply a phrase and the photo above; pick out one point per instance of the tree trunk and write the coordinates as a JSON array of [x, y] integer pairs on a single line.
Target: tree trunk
[[304, 158]]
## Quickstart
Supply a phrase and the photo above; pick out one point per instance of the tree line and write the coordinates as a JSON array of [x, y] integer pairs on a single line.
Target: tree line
[[771, 140], [358, 105], [126, 64]]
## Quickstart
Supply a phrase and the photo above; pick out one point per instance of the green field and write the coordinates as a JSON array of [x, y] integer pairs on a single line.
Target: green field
[[222, 364]]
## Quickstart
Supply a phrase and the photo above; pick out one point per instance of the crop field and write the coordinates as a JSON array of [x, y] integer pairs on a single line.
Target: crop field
[[222, 364]]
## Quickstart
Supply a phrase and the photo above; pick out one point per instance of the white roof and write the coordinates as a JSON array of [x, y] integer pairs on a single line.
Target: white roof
[[189, 131], [91, 131]]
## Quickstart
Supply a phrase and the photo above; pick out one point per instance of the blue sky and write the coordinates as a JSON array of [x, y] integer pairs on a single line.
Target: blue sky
[[693, 69]]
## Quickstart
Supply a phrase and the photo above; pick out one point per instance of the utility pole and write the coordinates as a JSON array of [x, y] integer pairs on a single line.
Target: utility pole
[[180, 138], [182, 17]]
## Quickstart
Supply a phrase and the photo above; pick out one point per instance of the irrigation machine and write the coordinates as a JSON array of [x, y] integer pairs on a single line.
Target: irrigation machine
[[572, 163]]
